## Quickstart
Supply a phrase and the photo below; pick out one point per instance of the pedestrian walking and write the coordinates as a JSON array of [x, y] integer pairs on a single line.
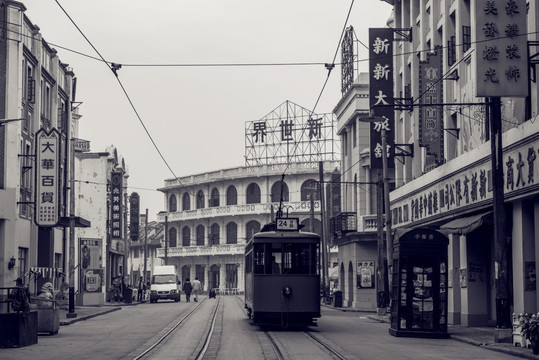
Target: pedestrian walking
[[187, 288], [140, 289], [197, 286]]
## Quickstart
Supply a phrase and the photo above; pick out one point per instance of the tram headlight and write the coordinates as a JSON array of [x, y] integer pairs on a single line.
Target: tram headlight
[[287, 291]]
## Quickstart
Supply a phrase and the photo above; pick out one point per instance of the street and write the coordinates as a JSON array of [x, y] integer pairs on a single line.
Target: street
[[128, 333]]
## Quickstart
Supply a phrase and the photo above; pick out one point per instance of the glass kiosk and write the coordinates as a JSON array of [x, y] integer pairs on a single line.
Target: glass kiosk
[[419, 284]]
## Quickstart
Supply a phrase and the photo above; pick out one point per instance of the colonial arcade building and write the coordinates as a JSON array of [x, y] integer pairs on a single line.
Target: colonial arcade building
[[210, 216]]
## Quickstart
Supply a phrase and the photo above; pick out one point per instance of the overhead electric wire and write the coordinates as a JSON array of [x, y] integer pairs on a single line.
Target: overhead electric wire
[[114, 70]]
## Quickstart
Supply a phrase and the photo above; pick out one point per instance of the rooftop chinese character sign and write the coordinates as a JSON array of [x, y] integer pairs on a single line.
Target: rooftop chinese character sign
[[291, 133], [47, 180], [381, 94], [501, 53]]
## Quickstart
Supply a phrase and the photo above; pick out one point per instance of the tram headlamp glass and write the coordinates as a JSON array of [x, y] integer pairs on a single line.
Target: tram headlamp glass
[[287, 291]]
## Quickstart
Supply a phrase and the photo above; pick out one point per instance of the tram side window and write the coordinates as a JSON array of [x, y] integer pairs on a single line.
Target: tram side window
[[259, 258], [299, 259], [249, 262]]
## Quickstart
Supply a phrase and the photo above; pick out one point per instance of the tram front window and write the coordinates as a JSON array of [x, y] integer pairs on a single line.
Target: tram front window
[[299, 259]]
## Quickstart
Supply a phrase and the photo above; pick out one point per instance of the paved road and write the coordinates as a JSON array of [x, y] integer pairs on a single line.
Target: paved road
[[126, 333]]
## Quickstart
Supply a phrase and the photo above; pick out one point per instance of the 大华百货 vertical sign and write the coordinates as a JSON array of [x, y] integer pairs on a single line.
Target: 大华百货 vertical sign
[[431, 117], [501, 48], [116, 192], [47, 177], [381, 98], [134, 216]]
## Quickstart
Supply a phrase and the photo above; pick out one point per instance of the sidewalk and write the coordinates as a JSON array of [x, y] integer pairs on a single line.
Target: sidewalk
[[479, 336], [88, 312]]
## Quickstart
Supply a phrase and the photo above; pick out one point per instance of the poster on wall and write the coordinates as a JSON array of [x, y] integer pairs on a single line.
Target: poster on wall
[[365, 274], [530, 282], [91, 264]]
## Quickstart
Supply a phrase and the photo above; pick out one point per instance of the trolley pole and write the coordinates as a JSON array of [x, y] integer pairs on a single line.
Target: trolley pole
[[145, 244]]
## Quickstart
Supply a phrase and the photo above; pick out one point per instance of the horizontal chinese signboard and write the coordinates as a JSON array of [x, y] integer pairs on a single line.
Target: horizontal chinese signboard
[[47, 180]]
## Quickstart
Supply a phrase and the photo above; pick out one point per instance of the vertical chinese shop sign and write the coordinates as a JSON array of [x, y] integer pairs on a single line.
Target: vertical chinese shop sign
[[501, 49], [381, 94], [134, 216], [116, 204], [430, 117], [47, 177]]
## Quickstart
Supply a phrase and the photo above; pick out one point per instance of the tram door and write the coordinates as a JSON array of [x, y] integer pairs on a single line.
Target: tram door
[[213, 277]]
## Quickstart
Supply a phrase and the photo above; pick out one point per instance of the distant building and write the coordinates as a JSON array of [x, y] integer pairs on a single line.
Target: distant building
[[156, 238]]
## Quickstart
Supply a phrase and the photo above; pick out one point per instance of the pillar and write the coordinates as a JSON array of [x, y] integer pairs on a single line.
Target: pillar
[[524, 296]]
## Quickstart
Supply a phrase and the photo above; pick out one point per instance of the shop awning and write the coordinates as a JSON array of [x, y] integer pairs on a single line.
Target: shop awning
[[464, 225]]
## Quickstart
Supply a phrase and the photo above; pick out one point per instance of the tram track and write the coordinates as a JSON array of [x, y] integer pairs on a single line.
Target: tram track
[[147, 353], [279, 349]]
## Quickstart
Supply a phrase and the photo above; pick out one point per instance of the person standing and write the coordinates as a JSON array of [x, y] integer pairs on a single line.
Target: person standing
[[20, 297], [187, 288], [140, 289], [197, 286]]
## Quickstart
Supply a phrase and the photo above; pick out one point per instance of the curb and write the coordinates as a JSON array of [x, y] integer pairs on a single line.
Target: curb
[[89, 316]]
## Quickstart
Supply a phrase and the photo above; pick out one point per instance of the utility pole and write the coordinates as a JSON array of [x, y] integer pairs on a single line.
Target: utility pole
[[166, 239], [388, 263], [145, 244], [500, 247], [71, 308], [323, 228]]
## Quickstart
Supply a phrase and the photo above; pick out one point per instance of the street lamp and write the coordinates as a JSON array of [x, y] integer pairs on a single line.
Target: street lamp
[[384, 246], [5, 121]]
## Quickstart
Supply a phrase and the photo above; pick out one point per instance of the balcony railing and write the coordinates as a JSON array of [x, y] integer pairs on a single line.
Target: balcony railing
[[81, 145], [225, 249], [233, 210], [348, 222]]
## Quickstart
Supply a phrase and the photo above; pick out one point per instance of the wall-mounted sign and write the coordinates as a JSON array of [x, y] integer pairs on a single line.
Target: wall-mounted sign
[[381, 95], [365, 274], [501, 48], [47, 178], [116, 180]]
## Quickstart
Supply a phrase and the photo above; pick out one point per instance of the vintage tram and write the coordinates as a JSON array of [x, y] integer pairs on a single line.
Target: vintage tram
[[282, 284]]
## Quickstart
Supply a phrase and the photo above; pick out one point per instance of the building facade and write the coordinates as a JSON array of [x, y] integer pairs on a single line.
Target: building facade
[[211, 216], [36, 90]]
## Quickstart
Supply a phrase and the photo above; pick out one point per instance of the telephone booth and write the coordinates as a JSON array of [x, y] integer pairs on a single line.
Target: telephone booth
[[419, 284]]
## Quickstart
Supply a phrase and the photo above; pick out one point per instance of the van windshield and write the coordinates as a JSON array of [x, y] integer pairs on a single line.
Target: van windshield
[[164, 279]]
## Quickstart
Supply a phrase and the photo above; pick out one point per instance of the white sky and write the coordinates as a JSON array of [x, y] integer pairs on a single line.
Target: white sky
[[196, 115]]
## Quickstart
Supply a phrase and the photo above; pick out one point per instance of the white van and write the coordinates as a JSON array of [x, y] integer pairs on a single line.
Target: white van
[[165, 284]]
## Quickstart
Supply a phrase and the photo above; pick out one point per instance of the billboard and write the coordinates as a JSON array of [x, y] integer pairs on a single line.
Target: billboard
[[91, 264], [47, 177]]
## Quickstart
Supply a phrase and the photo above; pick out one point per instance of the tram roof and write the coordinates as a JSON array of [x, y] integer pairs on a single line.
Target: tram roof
[[296, 236]]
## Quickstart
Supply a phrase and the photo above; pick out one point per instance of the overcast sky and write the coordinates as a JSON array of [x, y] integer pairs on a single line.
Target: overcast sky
[[196, 115]]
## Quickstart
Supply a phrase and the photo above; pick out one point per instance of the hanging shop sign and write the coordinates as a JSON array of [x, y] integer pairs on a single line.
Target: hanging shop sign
[[47, 177], [501, 48], [134, 216], [116, 204], [381, 95], [431, 117]]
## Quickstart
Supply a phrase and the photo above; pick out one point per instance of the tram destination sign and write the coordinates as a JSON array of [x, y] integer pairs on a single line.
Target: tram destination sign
[[287, 224]]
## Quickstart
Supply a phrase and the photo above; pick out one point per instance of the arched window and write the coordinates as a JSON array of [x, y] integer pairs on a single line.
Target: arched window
[[200, 235], [251, 228], [310, 188], [214, 198], [276, 191], [214, 234], [172, 237], [186, 201], [200, 199], [231, 233], [172, 203], [186, 236], [231, 195], [253, 194], [315, 228]]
